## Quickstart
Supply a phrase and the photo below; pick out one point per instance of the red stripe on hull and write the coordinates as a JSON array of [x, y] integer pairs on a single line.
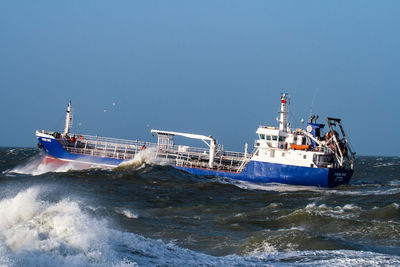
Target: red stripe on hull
[[53, 161]]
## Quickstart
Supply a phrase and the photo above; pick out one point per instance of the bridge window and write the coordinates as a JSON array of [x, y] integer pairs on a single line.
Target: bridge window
[[281, 138], [274, 137], [268, 137], [262, 136]]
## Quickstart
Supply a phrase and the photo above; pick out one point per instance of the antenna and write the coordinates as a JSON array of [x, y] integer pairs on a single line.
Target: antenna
[[312, 103]]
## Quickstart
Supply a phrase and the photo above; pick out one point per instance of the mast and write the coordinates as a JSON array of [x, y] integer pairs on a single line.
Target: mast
[[283, 124], [68, 119]]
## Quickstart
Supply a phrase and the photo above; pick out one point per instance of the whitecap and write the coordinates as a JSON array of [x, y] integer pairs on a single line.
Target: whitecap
[[147, 156], [37, 232], [276, 187], [36, 166], [129, 214]]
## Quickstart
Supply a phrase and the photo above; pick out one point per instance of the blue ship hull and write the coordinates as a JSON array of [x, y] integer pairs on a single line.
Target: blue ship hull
[[265, 172], [255, 171], [56, 150]]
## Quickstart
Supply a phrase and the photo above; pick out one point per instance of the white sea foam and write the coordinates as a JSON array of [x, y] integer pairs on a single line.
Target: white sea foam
[[265, 247], [293, 188], [329, 258], [35, 166], [394, 183], [346, 212], [148, 156], [268, 186], [10, 151], [37, 232], [389, 191], [129, 214], [386, 164]]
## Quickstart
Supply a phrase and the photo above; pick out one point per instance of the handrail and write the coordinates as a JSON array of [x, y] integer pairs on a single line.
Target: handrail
[[109, 139], [126, 149]]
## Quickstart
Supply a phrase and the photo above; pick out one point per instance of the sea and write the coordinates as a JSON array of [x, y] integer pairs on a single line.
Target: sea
[[150, 214]]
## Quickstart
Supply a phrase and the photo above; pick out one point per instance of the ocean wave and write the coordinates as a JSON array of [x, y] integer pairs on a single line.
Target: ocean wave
[[313, 212], [36, 231], [281, 188], [394, 183], [356, 192], [147, 156], [386, 164], [329, 258], [128, 213], [387, 212], [348, 211], [35, 165], [276, 187]]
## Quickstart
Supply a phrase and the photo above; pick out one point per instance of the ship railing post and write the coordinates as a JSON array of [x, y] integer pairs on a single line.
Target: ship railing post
[[212, 153], [95, 145], [115, 151]]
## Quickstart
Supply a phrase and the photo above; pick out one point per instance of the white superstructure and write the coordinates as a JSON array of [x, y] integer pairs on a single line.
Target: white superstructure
[[301, 147]]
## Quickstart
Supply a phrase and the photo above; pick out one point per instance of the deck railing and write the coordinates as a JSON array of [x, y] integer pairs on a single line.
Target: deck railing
[[184, 156], [104, 147]]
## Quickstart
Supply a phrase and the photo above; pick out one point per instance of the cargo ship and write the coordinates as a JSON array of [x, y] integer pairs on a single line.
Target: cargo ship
[[283, 155]]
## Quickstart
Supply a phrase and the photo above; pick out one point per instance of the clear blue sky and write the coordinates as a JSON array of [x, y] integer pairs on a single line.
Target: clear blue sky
[[208, 67]]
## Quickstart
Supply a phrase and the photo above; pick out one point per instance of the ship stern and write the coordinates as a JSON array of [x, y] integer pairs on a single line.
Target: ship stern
[[338, 177]]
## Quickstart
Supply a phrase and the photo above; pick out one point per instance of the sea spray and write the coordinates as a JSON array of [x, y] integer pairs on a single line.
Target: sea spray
[[159, 216], [146, 156], [34, 231], [37, 165]]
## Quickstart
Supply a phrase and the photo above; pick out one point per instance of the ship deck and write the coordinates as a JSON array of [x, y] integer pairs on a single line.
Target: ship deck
[[183, 156]]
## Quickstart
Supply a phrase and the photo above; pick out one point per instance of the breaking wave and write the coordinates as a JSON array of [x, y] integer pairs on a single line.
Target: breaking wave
[[127, 213], [35, 231], [268, 186], [36, 166], [147, 156]]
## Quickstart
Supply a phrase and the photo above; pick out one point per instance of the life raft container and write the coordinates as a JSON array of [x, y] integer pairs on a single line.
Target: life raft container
[[300, 147]]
